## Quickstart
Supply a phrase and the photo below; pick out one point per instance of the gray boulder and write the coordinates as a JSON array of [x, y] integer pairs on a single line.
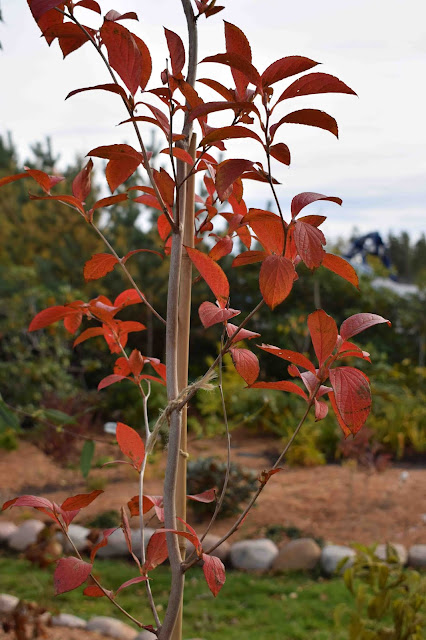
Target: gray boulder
[[117, 546], [417, 556], [256, 555], [25, 535], [332, 554], [298, 555], [145, 635], [68, 620], [7, 603], [222, 552], [401, 552], [78, 535], [112, 628], [6, 530]]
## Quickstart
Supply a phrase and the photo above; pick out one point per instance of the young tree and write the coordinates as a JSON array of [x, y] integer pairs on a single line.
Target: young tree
[[278, 240]]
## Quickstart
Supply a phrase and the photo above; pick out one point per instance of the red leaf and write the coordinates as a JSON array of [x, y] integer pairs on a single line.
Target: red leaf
[[343, 426], [72, 323], [210, 314], [113, 88], [311, 117], [315, 83], [226, 133], [123, 54], [114, 15], [321, 410], [29, 501], [45, 181], [109, 380], [156, 552], [176, 50], [218, 87], [180, 154], [69, 200], [214, 572], [341, 267], [243, 334], [70, 573], [89, 4], [222, 248], [303, 199], [210, 107], [352, 394], [227, 172], [49, 316], [146, 61], [128, 583], [9, 179], [249, 257], [93, 332], [265, 475], [324, 333], [309, 240], [131, 444], [40, 7], [99, 265], [69, 35], [290, 356], [212, 273], [237, 43], [81, 185], [276, 279], [286, 67], [123, 161], [280, 152], [80, 501], [102, 543], [49, 19], [246, 364], [126, 298], [206, 496], [237, 63], [281, 385], [360, 322]]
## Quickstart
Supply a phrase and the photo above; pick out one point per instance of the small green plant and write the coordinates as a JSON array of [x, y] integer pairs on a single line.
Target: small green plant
[[105, 520], [390, 601], [210, 472]]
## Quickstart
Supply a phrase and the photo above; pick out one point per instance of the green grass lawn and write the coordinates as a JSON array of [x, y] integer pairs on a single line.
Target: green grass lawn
[[249, 607]]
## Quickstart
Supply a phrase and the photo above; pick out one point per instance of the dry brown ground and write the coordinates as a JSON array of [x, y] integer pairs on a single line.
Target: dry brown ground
[[336, 503]]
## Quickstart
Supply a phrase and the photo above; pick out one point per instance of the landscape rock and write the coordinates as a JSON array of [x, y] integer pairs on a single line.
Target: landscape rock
[[7, 603], [145, 635], [117, 546], [417, 556], [298, 555], [68, 620], [256, 555], [112, 628], [25, 535], [401, 552], [6, 530], [78, 535], [332, 554]]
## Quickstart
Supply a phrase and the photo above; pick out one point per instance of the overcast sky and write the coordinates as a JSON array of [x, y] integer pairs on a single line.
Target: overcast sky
[[378, 166]]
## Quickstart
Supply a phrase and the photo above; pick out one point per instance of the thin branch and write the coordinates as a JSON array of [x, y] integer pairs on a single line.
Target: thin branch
[[270, 179]]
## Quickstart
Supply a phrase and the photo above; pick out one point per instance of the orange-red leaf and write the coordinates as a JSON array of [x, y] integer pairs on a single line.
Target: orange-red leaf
[[226, 133], [49, 316], [69, 35], [302, 200], [40, 7], [80, 501], [156, 552], [128, 583], [315, 83], [212, 273], [176, 50], [70, 573], [146, 61], [180, 154], [249, 257], [353, 397], [321, 410], [131, 444], [113, 88], [246, 364], [281, 385], [237, 63], [93, 591], [268, 228], [92, 332], [243, 334], [291, 356], [222, 248], [206, 496], [81, 185], [360, 322], [210, 314], [102, 542], [276, 279], [309, 241], [324, 333], [286, 67], [99, 265], [214, 572], [341, 267], [237, 43], [123, 54], [123, 160], [342, 424]]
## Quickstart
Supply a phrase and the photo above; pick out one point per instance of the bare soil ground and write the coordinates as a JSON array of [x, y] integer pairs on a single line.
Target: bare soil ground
[[339, 504]]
